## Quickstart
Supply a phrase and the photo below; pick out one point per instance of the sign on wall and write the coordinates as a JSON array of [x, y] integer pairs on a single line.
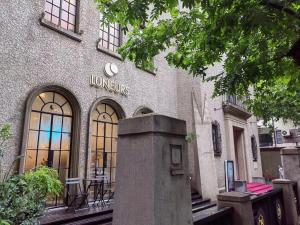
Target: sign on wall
[[229, 175], [108, 84]]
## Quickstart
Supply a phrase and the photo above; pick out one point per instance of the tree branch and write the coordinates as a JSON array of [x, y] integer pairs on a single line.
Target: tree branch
[[281, 8]]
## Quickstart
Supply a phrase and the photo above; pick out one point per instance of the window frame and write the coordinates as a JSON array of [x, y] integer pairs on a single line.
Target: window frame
[[216, 138]]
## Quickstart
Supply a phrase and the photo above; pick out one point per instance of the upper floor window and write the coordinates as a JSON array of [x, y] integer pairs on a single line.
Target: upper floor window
[[216, 138], [254, 148], [61, 13], [110, 35]]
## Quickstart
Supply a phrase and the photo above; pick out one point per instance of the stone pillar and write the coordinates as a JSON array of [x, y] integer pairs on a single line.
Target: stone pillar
[[241, 204], [290, 159], [152, 182], [289, 203]]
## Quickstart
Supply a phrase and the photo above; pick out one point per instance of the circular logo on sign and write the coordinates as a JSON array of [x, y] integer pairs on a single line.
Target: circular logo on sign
[[260, 217], [110, 69], [279, 211]]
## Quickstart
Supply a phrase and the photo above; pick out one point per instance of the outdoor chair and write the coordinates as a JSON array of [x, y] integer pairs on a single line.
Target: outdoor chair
[[76, 198]]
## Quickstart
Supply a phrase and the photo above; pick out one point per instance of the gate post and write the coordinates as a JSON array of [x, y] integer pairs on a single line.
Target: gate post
[[241, 204], [290, 159], [289, 200], [152, 182]]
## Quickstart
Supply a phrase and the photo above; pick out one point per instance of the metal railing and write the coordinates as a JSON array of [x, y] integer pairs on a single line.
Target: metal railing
[[268, 208], [234, 100]]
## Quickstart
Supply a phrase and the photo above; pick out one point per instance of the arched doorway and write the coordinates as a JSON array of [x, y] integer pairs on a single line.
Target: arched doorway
[[104, 119], [51, 133]]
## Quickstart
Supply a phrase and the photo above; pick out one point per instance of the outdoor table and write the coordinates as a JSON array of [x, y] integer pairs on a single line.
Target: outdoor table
[[98, 184]]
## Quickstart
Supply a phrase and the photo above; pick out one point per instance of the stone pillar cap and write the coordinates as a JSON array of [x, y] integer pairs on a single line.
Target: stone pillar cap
[[282, 181], [152, 123], [234, 197]]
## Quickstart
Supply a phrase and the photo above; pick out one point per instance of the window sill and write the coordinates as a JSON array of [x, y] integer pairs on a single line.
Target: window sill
[[69, 34], [108, 52]]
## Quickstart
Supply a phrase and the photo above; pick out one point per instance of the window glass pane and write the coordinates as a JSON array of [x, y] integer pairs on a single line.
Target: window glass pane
[[55, 11], [101, 108], [72, 9], [64, 161], [37, 104], [109, 110], [108, 130], [64, 15], [42, 158], [99, 161], [65, 5], [73, 2], [55, 141], [114, 144], [56, 159], [66, 142], [115, 131], [114, 160], [56, 2], [57, 123], [30, 159], [67, 126], [114, 118], [108, 160], [34, 120], [100, 143], [63, 174], [113, 175], [71, 27], [48, 7], [67, 109], [55, 20], [46, 122], [71, 19], [32, 140], [64, 24], [59, 99], [44, 140], [108, 144], [104, 117]]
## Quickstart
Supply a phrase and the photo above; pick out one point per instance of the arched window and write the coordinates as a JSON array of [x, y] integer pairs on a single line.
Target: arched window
[[216, 138], [142, 111], [49, 135], [104, 134], [254, 148]]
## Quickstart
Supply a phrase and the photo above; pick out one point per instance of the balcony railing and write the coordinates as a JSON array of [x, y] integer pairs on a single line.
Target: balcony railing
[[232, 99], [233, 105]]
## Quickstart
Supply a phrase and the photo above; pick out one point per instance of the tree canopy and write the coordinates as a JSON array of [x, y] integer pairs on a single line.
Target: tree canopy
[[255, 40]]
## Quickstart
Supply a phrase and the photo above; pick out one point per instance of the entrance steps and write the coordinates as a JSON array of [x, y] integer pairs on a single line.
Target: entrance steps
[[200, 207]]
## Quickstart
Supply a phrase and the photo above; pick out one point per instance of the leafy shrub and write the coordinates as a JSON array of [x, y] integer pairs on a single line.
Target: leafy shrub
[[23, 197]]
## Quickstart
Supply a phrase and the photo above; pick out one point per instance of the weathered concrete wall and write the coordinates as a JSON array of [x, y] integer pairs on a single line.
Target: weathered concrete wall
[[32, 55]]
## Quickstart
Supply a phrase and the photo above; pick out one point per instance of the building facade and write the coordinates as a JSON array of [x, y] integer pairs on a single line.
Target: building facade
[[272, 140], [64, 88]]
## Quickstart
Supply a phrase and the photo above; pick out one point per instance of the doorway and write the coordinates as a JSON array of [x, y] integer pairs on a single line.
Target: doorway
[[239, 152]]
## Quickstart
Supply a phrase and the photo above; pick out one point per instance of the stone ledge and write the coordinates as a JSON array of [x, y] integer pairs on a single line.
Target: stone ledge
[[282, 181], [60, 30], [234, 197], [152, 123]]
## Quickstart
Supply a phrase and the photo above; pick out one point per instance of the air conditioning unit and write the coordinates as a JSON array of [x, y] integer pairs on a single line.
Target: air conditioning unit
[[285, 133]]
